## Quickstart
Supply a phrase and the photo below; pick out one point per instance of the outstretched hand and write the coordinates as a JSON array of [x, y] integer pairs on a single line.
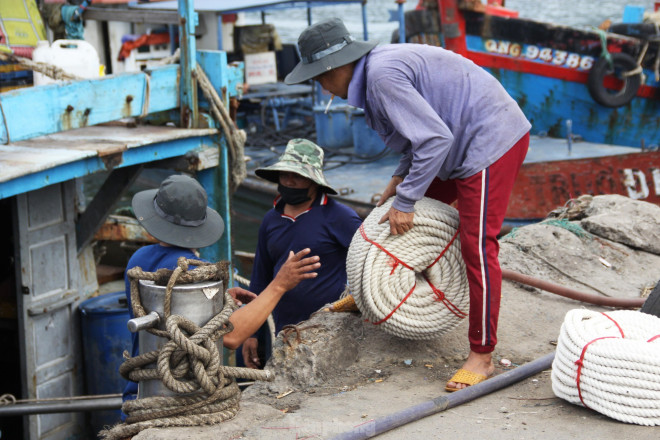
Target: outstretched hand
[[400, 222], [295, 269], [240, 295]]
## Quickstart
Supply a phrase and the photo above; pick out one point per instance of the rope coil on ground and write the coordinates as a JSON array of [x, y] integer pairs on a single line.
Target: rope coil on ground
[[610, 362], [413, 285], [188, 363]]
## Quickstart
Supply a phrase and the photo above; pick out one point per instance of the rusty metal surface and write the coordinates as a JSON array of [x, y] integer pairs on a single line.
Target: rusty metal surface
[[121, 228], [544, 186], [45, 152]]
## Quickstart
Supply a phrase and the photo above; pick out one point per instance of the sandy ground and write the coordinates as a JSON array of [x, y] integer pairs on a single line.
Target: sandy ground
[[345, 372]]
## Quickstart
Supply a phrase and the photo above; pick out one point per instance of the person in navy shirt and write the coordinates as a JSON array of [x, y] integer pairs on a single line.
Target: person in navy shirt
[[177, 215], [303, 216]]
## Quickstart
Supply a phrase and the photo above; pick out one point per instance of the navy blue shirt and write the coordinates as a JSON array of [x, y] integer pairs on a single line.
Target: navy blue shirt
[[327, 228], [150, 259]]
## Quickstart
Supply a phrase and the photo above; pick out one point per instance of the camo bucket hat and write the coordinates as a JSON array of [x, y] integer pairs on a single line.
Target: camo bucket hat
[[302, 157]]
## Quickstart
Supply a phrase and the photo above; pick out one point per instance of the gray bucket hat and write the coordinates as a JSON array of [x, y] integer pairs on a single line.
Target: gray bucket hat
[[177, 213], [301, 157], [324, 46]]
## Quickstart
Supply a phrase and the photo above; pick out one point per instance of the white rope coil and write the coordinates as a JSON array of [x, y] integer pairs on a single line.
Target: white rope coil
[[380, 282], [610, 362]]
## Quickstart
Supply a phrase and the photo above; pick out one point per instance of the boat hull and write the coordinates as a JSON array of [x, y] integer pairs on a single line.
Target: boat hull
[[544, 186]]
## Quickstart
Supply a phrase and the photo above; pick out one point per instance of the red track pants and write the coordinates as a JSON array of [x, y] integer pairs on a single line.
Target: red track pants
[[482, 202]]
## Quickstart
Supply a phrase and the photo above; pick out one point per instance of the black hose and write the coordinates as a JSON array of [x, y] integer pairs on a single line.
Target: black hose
[[439, 404]]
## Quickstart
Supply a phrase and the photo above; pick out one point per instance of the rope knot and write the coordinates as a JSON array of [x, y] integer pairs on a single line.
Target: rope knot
[[393, 263], [182, 262]]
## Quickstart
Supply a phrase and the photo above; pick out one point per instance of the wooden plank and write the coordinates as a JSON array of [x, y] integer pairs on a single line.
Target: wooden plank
[[58, 107], [188, 84], [89, 165], [131, 15], [214, 64], [164, 88], [37, 111]]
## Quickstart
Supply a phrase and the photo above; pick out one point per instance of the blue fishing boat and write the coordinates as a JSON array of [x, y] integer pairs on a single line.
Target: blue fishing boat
[[604, 81]]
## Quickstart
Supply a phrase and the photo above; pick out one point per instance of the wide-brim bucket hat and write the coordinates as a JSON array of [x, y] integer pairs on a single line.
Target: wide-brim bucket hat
[[302, 157], [177, 213], [324, 46]]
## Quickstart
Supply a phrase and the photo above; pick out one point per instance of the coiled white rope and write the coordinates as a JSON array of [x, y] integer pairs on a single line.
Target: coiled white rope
[[413, 285], [610, 362]]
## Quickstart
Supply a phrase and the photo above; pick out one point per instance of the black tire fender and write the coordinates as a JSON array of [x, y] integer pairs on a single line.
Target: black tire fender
[[621, 62], [652, 303]]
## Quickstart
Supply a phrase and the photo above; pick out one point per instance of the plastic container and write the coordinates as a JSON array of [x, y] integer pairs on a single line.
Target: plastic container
[[105, 336], [633, 14], [333, 129], [76, 57], [366, 141]]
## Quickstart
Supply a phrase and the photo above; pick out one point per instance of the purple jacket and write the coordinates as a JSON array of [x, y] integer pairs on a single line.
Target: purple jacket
[[447, 116]]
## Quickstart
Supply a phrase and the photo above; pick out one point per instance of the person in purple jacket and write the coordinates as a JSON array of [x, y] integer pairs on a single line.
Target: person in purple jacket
[[461, 138]]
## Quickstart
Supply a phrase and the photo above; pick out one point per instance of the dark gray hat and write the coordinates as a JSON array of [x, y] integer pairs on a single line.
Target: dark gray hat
[[324, 46], [177, 213]]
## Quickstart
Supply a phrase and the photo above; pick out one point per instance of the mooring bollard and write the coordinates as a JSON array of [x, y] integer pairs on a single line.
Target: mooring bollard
[[198, 302]]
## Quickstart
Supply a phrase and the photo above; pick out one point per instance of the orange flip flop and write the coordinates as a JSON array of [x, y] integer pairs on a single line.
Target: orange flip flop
[[465, 376]]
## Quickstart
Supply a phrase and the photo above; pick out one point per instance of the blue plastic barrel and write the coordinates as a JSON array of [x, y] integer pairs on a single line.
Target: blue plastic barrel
[[105, 337], [333, 129]]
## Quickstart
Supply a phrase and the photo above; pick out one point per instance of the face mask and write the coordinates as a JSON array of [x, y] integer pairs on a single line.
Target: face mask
[[293, 196]]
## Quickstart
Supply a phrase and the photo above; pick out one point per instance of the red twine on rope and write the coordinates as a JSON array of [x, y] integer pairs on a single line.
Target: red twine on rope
[[443, 299], [394, 263], [580, 362], [364, 235]]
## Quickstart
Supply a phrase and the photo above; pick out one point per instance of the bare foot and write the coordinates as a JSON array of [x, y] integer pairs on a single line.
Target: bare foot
[[480, 363]]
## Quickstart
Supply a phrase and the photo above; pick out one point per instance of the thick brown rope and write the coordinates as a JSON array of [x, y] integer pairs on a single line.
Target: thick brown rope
[[49, 70], [188, 363], [235, 138]]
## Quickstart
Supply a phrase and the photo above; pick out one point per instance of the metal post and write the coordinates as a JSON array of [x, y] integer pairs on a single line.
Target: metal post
[[216, 183], [170, 30], [309, 16], [219, 33], [188, 85], [63, 406], [402, 21]]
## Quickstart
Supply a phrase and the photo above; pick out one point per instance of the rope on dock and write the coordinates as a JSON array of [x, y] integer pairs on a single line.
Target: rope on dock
[[49, 70], [610, 362], [413, 285], [188, 363]]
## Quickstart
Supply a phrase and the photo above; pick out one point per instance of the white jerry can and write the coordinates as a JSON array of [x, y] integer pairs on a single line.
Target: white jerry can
[[76, 57]]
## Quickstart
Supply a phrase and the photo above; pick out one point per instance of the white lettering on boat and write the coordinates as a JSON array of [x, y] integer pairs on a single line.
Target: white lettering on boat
[[635, 183], [655, 172], [535, 53]]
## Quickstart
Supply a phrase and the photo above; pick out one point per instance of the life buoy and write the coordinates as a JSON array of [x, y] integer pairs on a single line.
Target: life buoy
[[621, 63]]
